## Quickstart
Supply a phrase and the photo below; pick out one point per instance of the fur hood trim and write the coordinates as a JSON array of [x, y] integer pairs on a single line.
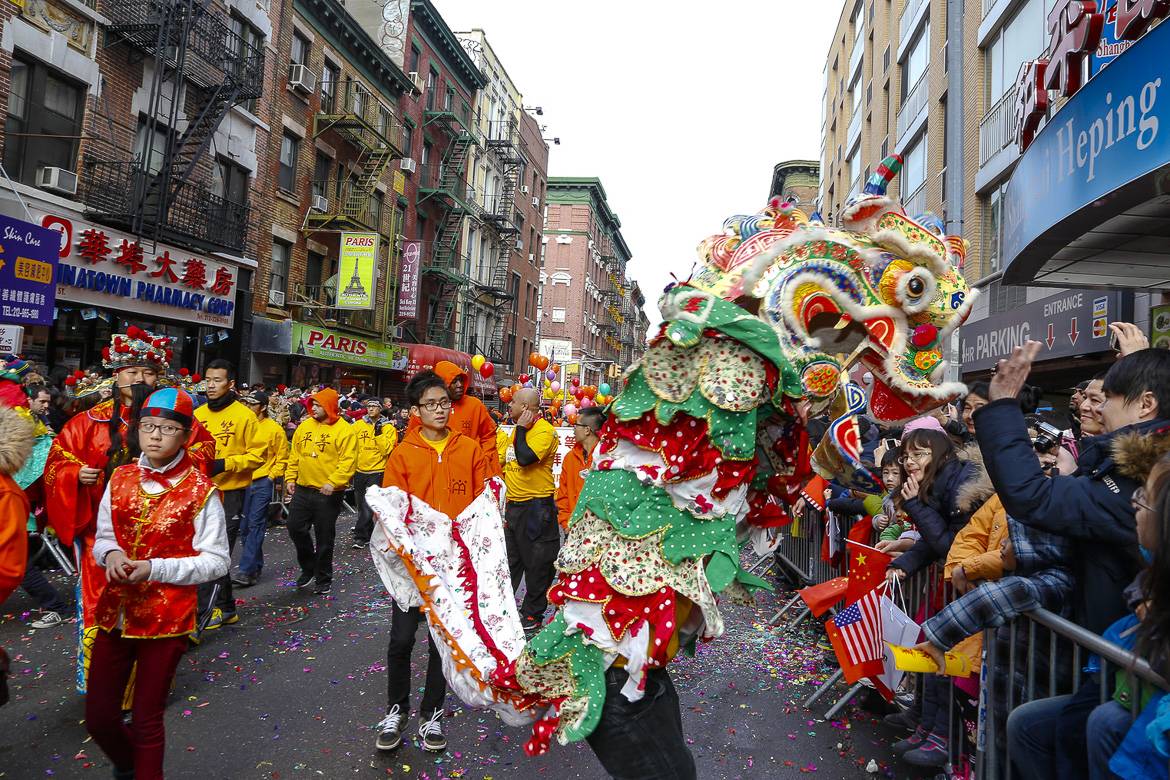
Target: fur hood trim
[[973, 493], [16, 439], [1136, 453]]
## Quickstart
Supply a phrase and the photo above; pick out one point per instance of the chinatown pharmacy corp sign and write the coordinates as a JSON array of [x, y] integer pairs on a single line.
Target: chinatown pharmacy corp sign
[[1075, 30], [103, 267]]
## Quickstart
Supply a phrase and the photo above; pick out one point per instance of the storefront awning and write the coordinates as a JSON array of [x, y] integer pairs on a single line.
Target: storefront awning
[[1088, 204], [424, 356]]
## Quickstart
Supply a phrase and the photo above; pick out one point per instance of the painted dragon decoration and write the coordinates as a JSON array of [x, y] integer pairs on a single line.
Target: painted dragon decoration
[[704, 449]]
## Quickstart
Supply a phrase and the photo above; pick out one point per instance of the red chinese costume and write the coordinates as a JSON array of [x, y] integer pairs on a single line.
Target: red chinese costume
[[84, 441], [168, 523]]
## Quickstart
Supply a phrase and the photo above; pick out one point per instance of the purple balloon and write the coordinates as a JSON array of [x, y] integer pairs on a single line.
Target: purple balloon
[[550, 374]]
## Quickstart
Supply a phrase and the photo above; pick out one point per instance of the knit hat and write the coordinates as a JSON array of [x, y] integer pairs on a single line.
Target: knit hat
[[171, 404], [137, 347], [924, 422]]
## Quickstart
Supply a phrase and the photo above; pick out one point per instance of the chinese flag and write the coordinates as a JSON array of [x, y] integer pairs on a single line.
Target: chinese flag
[[820, 597], [867, 570]]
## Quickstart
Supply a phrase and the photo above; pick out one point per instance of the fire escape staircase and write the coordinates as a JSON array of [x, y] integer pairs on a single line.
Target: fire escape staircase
[[455, 201], [199, 64], [505, 145]]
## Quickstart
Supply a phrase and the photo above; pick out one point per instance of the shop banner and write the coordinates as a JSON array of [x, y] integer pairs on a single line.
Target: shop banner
[[356, 265], [326, 344], [408, 284], [424, 357], [99, 266], [28, 263]]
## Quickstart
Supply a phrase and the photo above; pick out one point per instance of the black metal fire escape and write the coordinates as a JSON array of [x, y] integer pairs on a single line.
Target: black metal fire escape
[[505, 145], [201, 69]]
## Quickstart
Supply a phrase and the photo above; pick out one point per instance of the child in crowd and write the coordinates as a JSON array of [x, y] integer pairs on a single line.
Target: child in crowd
[[160, 533], [447, 470]]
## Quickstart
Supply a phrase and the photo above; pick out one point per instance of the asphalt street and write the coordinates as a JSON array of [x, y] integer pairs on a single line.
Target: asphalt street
[[294, 690]]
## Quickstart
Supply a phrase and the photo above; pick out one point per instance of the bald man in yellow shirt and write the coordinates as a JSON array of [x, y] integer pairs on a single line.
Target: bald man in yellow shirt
[[530, 528]]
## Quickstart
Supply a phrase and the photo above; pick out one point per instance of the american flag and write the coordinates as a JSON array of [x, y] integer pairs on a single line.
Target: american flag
[[860, 625]]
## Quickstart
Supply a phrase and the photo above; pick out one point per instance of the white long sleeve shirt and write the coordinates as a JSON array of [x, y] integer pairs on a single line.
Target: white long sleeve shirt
[[211, 559]]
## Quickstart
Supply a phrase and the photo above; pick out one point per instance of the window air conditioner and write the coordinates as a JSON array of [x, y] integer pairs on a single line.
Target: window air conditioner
[[519, 244], [536, 203], [301, 79], [320, 203], [416, 79], [398, 332], [407, 165], [57, 179], [276, 298], [524, 189]]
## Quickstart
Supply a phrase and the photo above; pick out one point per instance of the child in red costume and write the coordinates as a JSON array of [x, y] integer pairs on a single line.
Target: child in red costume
[[160, 533]]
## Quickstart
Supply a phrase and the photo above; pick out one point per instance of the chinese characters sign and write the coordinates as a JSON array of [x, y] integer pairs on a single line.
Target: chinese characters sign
[[355, 270], [1075, 30], [28, 261], [408, 286], [103, 267]]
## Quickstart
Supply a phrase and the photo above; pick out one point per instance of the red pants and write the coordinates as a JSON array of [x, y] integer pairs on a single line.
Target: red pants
[[139, 747]]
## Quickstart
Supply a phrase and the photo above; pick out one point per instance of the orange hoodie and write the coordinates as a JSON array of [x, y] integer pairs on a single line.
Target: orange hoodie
[[573, 468], [468, 416], [328, 399], [448, 482]]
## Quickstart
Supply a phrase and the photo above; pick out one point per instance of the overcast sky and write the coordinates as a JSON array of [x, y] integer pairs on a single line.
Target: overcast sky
[[681, 114]]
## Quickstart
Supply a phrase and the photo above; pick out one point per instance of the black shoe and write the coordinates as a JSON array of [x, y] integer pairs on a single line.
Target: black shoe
[[245, 580], [304, 579], [390, 729], [323, 589], [430, 731], [531, 627]]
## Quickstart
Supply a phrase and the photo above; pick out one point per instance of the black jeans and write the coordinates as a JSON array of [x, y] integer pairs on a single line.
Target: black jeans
[[37, 585], [533, 539], [403, 628], [310, 511], [365, 516], [233, 509], [642, 740]]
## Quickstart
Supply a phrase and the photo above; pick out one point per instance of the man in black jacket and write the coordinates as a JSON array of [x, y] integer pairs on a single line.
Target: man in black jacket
[[1092, 506]]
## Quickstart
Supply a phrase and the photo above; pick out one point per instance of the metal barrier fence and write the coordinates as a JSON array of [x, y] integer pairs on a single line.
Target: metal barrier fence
[[1037, 655]]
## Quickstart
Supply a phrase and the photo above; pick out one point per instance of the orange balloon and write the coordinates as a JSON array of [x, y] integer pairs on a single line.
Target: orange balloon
[[534, 359], [572, 418], [506, 395], [543, 362]]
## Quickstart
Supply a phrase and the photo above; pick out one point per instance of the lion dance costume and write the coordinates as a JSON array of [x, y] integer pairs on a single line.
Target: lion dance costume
[[705, 448]]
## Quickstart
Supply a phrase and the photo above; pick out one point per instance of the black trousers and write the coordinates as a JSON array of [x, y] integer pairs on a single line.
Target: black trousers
[[365, 516], [312, 525], [533, 539], [403, 628], [37, 585], [233, 509], [642, 740]]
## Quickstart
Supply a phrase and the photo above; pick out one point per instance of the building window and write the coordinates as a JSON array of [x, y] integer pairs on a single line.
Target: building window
[[314, 276], [44, 121], [230, 182], [993, 230], [385, 120], [449, 98], [853, 168], [247, 44], [515, 293], [916, 62], [376, 201], [914, 167], [407, 140], [558, 314], [1018, 41], [330, 73], [150, 146], [432, 82], [290, 149], [299, 54], [415, 58], [278, 270], [429, 176], [320, 184]]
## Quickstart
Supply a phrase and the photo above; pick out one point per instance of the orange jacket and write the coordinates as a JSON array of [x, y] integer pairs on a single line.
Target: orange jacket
[[977, 547], [450, 482], [468, 416], [573, 467], [14, 509]]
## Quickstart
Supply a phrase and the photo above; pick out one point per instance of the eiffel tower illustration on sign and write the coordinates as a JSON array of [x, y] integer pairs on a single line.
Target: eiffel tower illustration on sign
[[355, 286]]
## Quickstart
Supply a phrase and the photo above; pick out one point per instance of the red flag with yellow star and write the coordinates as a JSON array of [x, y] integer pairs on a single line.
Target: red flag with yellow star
[[867, 569]]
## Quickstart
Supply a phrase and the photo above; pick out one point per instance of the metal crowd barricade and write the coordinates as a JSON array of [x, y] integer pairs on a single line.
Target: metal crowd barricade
[[799, 556], [1046, 655]]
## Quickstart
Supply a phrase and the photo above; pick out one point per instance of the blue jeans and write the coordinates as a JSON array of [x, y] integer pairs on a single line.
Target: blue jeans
[[1107, 727], [1032, 738], [254, 524]]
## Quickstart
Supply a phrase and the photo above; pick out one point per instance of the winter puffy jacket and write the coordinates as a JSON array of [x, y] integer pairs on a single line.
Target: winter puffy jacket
[[944, 512], [1091, 506]]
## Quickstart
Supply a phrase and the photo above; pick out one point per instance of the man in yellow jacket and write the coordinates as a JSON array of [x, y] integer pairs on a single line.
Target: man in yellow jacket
[[239, 451], [530, 529], [322, 460], [259, 495], [376, 437]]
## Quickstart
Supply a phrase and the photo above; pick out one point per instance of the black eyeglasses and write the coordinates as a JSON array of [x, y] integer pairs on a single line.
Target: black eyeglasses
[[431, 406]]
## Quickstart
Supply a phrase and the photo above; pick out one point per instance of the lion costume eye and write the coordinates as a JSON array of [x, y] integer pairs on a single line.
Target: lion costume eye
[[915, 289]]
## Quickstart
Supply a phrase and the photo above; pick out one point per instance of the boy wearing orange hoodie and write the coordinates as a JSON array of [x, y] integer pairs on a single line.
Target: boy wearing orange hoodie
[[447, 470], [468, 414], [322, 459]]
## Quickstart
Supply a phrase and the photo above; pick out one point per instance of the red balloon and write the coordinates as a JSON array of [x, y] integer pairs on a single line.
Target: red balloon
[[523, 378], [486, 370], [576, 381]]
